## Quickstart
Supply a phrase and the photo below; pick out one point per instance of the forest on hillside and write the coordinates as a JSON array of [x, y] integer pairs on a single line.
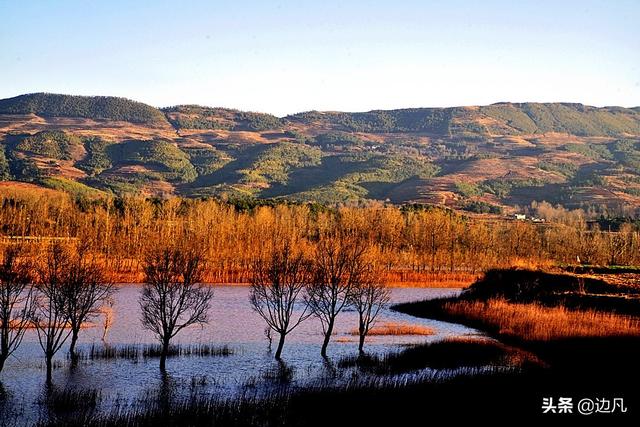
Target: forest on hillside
[[494, 159]]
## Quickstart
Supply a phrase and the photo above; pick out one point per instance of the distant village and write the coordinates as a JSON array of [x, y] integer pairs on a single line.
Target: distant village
[[524, 217]]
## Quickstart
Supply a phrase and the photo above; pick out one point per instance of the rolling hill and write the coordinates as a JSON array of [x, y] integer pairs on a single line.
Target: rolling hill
[[481, 158]]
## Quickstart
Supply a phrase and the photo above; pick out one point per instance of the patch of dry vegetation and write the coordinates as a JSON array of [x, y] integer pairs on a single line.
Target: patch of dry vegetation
[[538, 323], [396, 328]]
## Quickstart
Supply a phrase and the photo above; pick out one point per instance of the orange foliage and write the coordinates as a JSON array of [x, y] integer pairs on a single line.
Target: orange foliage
[[536, 322], [429, 247]]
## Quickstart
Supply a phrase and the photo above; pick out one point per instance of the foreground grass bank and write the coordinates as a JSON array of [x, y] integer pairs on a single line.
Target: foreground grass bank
[[586, 330]]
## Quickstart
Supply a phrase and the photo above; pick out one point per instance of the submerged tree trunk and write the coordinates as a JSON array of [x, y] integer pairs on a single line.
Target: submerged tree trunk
[[327, 338], [280, 345], [72, 346], [163, 354], [4, 347], [363, 334], [49, 360]]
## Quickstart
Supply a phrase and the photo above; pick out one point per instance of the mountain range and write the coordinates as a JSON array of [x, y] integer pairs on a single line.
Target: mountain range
[[486, 159]]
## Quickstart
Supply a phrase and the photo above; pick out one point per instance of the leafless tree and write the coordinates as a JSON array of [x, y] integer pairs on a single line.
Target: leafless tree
[[336, 267], [172, 297], [368, 297], [85, 291], [50, 317], [16, 301], [107, 314], [277, 284]]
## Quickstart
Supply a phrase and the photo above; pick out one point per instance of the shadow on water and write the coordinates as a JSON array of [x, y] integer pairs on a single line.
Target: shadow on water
[[330, 370], [68, 405], [447, 354], [73, 404], [163, 397], [10, 412], [4, 401], [280, 373]]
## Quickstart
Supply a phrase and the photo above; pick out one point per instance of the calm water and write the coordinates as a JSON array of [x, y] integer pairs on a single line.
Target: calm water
[[233, 323]]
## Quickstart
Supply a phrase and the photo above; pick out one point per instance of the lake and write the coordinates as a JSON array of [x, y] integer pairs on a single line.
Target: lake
[[232, 323]]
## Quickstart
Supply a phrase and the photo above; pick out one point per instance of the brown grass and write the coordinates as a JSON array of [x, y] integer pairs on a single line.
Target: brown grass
[[393, 328], [536, 322]]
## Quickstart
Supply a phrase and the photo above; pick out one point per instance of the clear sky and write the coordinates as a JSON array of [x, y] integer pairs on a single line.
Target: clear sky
[[289, 56]]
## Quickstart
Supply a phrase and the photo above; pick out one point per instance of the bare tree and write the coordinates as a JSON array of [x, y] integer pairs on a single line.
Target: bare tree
[[277, 283], [16, 302], [172, 297], [85, 291], [336, 267], [50, 317], [107, 313], [368, 297]]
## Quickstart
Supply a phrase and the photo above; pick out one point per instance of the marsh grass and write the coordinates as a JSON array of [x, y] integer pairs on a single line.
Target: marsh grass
[[69, 406], [395, 328], [151, 351], [579, 346], [536, 305], [391, 400], [68, 399], [197, 410], [535, 322]]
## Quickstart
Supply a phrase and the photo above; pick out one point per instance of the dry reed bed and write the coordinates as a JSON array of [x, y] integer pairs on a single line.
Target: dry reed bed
[[539, 323], [394, 328], [146, 351]]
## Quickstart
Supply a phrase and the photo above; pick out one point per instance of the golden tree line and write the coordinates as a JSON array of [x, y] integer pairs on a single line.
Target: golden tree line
[[405, 245]]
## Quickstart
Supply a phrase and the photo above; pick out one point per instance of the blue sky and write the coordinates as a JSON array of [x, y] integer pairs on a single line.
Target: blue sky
[[288, 56]]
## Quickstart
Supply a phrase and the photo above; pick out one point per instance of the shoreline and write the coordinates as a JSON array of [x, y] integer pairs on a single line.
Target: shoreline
[[578, 344], [398, 285]]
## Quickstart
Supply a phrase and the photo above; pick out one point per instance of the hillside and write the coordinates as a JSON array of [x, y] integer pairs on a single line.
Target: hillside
[[481, 158], [90, 107]]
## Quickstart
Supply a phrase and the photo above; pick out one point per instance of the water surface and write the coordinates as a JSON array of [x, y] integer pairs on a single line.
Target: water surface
[[232, 323]]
